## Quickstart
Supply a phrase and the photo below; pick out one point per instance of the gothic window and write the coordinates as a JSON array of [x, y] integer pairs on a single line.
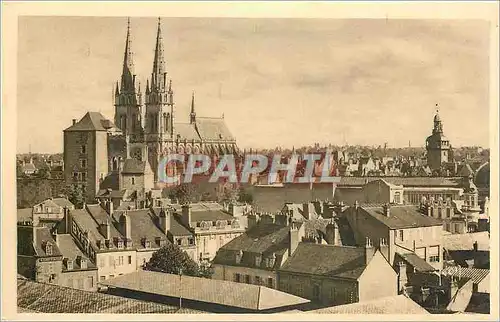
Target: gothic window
[[133, 123], [165, 122], [123, 123], [115, 164]]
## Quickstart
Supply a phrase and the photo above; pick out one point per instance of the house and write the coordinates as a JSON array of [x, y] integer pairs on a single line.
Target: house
[[255, 256], [467, 250], [34, 297], [212, 227], [211, 295], [77, 270], [399, 304], [147, 232], [333, 275], [38, 256], [404, 229], [176, 232], [104, 240]]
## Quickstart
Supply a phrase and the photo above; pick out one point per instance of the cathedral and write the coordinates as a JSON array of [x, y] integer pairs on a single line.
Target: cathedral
[[123, 155], [148, 122]]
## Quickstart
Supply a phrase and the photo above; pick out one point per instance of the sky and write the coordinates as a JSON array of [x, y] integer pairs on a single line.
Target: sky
[[278, 82]]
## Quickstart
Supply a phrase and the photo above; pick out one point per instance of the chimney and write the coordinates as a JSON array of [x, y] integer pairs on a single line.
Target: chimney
[[106, 229], [295, 236], [384, 248], [387, 210], [306, 210], [369, 250], [82, 262], [332, 233], [56, 237], [186, 215], [402, 277], [125, 226], [74, 121], [66, 220], [164, 221], [109, 207]]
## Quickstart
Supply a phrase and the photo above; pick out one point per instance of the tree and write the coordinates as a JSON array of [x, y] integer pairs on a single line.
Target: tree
[[183, 193], [74, 194], [171, 259], [245, 196]]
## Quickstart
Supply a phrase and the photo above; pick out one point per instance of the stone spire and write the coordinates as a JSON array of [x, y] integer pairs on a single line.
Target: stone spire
[[193, 113], [128, 76], [158, 77]]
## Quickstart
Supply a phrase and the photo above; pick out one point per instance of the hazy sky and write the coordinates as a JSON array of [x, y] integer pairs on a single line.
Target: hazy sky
[[277, 81]]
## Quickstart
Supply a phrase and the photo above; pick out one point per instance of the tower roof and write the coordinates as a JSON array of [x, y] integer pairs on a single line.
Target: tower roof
[[157, 79], [127, 82]]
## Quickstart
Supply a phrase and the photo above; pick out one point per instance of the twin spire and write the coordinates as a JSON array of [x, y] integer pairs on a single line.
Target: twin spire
[[158, 76], [158, 82]]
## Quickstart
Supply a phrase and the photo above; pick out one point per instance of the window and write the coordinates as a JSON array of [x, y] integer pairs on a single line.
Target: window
[[332, 294], [80, 283], [133, 180], [270, 282], [457, 228], [83, 163], [130, 260], [258, 280], [84, 176], [397, 197], [83, 149], [434, 259], [102, 278], [179, 241], [120, 260], [191, 241], [315, 291], [111, 276], [111, 261], [237, 277], [440, 213], [247, 279], [90, 282], [69, 282], [448, 213], [120, 244], [401, 236]]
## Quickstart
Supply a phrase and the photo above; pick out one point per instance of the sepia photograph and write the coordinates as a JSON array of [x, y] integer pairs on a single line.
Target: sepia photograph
[[227, 164]]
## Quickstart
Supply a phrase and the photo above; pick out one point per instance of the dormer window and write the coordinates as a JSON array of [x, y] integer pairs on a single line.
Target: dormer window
[[101, 244], [147, 243], [120, 244], [271, 261], [48, 248], [258, 260], [239, 255], [69, 264]]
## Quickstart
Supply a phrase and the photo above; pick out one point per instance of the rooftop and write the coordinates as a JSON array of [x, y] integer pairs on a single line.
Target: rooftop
[[71, 251], [475, 274], [247, 296], [49, 298], [402, 217], [460, 242], [92, 121], [418, 263], [327, 260], [405, 181], [398, 304]]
